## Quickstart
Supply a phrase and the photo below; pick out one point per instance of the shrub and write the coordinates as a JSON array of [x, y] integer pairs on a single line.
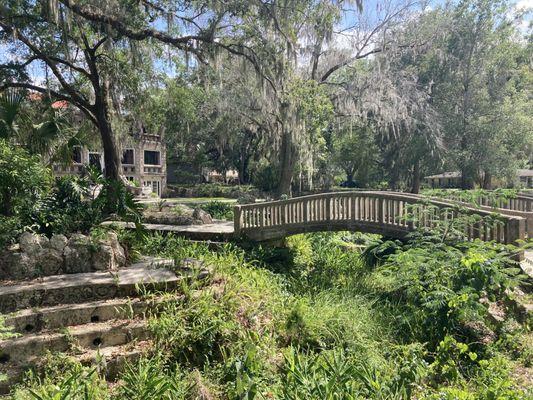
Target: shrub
[[266, 178], [23, 180], [10, 229], [218, 210]]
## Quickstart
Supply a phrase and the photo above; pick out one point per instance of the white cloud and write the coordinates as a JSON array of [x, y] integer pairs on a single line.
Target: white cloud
[[524, 5]]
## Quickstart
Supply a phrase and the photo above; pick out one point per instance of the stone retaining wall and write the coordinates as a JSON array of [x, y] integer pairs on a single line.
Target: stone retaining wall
[[35, 255]]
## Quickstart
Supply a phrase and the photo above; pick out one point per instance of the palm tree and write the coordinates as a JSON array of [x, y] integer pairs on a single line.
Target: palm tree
[[52, 137]]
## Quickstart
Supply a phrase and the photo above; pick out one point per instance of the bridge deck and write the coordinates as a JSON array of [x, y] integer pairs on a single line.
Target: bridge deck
[[220, 230]]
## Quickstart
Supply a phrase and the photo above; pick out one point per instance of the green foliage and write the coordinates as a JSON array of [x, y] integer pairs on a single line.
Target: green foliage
[[213, 190], [492, 198], [10, 229], [5, 331], [67, 208], [149, 379], [360, 167], [23, 179], [266, 177], [76, 204], [441, 286], [219, 210], [10, 104], [63, 380], [34, 202]]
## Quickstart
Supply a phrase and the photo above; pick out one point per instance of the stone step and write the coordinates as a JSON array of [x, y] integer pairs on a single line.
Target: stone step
[[25, 349], [111, 361], [49, 318], [84, 287]]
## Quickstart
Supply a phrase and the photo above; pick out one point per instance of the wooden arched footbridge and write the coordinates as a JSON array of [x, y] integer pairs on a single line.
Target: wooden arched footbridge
[[387, 213]]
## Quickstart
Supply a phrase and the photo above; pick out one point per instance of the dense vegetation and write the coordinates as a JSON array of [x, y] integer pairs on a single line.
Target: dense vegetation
[[318, 320]]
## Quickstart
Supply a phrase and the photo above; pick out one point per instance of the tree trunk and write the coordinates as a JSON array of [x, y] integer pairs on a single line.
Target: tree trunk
[[487, 180], [6, 207], [466, 180], [286, 164], [349, 177], [244, 162], [111, 158], [416, 178]]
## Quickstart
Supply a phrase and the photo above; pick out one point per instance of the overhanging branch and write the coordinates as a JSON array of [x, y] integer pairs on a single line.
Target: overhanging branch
[[57, 95]]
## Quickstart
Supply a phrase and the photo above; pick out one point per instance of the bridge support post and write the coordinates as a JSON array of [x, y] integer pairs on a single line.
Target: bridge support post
[[237, 220], [516, 230]]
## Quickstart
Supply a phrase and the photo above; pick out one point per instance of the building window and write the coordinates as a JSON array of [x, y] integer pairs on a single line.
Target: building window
[[95, 160], [128, 157], [76, 155], [151, 157]]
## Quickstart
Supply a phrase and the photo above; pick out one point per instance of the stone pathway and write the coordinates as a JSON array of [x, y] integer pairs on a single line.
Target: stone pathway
[[90, 316], [218, 231]]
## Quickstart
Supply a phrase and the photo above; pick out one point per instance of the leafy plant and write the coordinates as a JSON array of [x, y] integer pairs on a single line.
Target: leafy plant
[[149, 379], [218, 210]]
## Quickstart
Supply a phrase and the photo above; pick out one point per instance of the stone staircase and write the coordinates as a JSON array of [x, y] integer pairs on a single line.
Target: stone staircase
[[94, 316]]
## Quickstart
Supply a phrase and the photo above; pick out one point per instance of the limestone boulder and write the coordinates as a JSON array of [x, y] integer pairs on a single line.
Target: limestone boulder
[[168, 218], [203, 216], [30, 243], [35, 256], [108, 253], [78, 254], [16, 265], [48, 261], [118, 251], [103, 258], [58, 242]]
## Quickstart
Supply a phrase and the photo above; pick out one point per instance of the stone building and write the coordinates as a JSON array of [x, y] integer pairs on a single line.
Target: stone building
[[143, 161]]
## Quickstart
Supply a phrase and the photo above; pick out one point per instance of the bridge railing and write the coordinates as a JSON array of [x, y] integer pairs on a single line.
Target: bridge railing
[[393, 212], [520, 202], [519, 206]]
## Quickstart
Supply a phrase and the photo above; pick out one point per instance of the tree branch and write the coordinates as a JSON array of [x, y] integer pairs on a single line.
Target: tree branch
[[92, 14], [77, 98], [55, 94], [347, 62]]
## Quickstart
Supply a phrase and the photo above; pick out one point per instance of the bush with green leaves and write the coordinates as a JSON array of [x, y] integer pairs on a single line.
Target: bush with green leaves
[[266, 177], [24, 181], [213, 190], [219, 210], [77, 204]]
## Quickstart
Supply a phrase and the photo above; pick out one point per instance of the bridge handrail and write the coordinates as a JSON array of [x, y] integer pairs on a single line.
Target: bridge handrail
[[520, 202], [375, 207]]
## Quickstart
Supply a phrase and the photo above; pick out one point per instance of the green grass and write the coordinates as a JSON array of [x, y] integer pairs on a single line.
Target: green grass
[[315, 320]]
